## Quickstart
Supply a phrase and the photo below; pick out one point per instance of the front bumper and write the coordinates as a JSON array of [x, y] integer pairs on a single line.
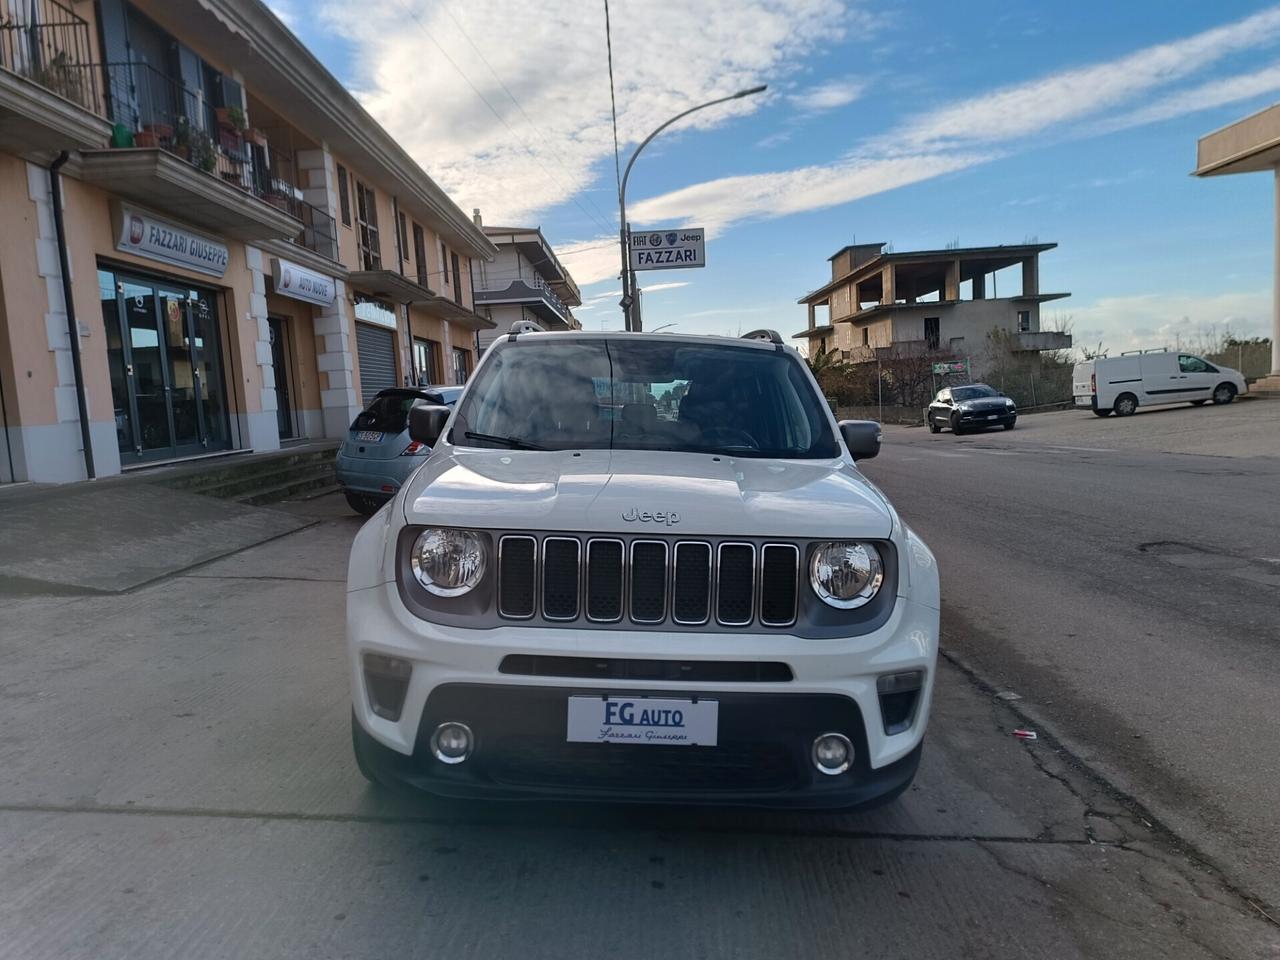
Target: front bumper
[[519, 721], [986, 419]]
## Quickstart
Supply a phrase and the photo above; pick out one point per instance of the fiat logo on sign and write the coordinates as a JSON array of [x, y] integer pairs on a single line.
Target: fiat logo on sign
[[136, 229]]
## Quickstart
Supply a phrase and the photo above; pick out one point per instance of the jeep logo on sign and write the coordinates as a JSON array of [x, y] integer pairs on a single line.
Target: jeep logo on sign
[[668, 517]]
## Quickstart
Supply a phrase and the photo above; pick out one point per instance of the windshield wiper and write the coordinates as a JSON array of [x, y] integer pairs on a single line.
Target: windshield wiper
[[515, 443]]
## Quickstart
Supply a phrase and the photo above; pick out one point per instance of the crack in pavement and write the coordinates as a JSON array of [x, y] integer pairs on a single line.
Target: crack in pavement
[[404, 819]]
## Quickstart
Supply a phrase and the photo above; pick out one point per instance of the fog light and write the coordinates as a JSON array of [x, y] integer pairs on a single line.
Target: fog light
[[386, 681], [451, 743], [832, 754]]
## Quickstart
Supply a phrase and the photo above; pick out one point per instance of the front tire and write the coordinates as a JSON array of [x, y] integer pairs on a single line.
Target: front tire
[[1224, 393], [1126, 405], [955, 424]]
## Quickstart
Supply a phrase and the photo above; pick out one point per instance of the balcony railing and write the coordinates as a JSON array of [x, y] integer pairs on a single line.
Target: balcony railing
[[151, 109], [493, 289], [46, 43]]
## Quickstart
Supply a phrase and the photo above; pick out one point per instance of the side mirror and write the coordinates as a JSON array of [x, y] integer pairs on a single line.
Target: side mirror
[[862, 437], [426, 422]]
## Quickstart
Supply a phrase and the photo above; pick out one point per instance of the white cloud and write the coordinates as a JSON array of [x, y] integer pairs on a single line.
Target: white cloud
[[551, 57], [829, 95], [968, 132], [1169, 320], [668, 285], [590, 261], [1215, 93]]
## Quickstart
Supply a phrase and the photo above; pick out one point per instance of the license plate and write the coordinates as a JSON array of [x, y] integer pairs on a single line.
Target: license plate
[[994, 416], [369, 436], [642, 720]]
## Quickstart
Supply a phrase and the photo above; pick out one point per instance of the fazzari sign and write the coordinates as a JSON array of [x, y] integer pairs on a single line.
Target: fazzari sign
[[146, 235], [668, 249]]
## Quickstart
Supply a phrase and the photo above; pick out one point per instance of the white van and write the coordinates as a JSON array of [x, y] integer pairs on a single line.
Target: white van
[[1148, 377]]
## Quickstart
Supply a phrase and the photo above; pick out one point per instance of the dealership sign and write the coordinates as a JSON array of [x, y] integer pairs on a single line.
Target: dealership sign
[[668, 249], [145, 235], [952, 366], [292, 280]]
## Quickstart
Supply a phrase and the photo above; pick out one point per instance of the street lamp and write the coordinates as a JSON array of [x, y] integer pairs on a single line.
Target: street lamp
[[629, 312]]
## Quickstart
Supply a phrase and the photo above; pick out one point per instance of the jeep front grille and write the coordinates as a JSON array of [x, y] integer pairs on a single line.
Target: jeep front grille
[[648, 581]]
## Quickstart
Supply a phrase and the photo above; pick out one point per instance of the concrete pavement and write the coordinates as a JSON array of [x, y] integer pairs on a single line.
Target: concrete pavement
[[176, 780], [1129, 595]]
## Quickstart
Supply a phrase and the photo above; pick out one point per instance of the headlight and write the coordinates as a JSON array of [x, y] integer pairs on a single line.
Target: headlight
[[1009, 404], [448, 563], [846, 573]]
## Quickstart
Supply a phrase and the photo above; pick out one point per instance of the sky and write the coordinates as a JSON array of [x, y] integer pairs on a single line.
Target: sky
[[918, 124]]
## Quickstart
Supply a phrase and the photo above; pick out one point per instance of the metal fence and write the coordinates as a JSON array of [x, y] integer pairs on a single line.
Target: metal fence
[[51, 46]]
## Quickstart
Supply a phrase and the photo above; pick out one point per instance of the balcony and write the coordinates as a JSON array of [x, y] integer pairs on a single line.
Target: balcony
[[1043, 340], [533, 292], [50, 94], [173, 151]]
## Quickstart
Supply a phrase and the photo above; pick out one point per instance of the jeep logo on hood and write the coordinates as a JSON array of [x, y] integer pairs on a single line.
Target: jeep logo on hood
[[668, 517]]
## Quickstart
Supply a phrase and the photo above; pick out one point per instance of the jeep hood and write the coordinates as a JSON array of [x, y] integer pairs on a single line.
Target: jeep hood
[[595, 491]]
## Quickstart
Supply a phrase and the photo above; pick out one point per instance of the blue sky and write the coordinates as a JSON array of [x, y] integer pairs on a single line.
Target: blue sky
[[917, 124]]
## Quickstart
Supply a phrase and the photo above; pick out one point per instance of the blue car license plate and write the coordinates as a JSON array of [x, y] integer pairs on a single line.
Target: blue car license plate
[[369, 436]]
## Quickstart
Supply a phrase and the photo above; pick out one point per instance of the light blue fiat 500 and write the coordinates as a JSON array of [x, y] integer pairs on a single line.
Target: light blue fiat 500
[[378, 454]]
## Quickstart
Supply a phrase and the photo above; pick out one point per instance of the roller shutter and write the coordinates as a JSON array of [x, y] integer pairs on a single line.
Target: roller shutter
[[377, 356]]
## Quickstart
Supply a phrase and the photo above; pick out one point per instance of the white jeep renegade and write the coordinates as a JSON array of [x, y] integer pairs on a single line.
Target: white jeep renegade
[[642, 567]]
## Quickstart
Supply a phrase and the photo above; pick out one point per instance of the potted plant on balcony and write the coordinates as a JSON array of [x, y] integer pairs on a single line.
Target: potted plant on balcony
[[232, 118], [203, 153], [259, 137]]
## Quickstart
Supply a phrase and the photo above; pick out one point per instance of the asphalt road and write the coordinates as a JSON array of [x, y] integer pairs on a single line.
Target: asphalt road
[[176, 781], [1130, 595]]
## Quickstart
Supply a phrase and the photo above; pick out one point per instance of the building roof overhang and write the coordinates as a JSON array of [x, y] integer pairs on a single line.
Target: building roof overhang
[[1249, 145], [533, 246]]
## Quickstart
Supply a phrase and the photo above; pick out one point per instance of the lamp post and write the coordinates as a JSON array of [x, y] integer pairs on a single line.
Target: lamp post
[[630, 312]]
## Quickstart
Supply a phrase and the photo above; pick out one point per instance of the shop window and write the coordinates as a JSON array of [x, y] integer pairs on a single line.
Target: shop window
[[426, 361], [461, 366]]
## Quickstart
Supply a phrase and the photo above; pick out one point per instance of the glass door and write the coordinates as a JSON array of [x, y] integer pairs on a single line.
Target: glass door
[[165, 365]]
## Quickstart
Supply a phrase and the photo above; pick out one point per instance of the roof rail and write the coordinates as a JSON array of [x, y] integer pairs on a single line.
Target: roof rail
[[523, 326], [764, 334], [1138, 353]]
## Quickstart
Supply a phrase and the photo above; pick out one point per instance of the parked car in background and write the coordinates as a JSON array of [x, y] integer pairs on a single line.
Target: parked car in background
[[975, 406], [378, 455], [1121, 384]]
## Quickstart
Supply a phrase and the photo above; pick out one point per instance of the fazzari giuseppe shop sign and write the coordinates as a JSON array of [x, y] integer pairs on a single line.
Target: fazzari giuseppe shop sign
[[293, 280], [146, 235]]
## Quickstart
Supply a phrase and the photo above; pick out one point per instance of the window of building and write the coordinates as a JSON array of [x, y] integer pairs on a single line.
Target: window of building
[[426, 362], [932, 332], [344, 196], [866, 336], [367, 219], [457, 278], [444, 264], [461, 365], [404, 236], [1024, 321], [420, 255]]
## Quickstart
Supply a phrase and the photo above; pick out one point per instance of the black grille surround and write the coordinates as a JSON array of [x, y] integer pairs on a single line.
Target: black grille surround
[[668, 583]]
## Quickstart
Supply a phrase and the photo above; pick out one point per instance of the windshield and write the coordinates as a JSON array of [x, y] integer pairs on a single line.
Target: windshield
[[655, 395], [974, 392]]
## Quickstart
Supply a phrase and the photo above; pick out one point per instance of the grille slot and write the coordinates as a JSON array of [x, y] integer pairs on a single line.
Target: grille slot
[[735, 586], [517, 577], [560, 578], [779, 584], [604, 580], [691, 583], [648, 581]]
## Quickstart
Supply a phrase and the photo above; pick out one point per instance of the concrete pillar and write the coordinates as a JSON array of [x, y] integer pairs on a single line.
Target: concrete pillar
[[1275, 297], [813, 320], [951, 286], [1031, 276], [980, 286], [887, 292]]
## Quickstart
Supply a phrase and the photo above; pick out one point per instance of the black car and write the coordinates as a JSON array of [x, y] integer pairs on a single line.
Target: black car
[[972, 407]]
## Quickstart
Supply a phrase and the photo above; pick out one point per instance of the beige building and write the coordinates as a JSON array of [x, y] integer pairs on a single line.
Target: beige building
[[1251, 145], [243, 255], [945, 301], [524, 281]]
